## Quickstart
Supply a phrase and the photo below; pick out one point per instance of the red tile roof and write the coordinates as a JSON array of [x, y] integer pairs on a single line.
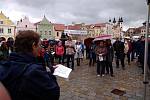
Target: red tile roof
[[73, 27], [59, 27], [100, 25]]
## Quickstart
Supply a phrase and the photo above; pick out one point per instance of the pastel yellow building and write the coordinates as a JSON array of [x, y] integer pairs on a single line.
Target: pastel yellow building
[[7, 27]]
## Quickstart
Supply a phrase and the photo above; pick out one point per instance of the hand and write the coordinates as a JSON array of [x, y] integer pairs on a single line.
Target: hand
[[100, 54], [55, 67]]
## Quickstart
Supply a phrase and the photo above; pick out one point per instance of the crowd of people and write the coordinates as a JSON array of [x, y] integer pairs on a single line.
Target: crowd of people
[[26, 60], [104, 52]]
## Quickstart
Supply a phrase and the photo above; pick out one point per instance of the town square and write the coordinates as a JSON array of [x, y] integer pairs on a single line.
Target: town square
[[74, 50]]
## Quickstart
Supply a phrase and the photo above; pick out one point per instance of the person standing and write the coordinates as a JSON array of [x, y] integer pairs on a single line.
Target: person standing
[[5, 50], [101, 52], [70, 51], [119, 53], [25, 78], [128, 50], [78, 53], [51, 50], [60, 52], [141, 52], [92, 55], [109, 57]]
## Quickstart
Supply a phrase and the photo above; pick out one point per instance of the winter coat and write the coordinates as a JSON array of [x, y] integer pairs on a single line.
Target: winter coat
[[92, 51], [59, 50], [110, 54], [101, 51], [32, 82], [78, 53], [118, 47], [141, 51], [70, 50]]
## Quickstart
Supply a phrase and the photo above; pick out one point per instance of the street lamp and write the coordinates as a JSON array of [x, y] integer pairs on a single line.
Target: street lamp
[[146, 50]]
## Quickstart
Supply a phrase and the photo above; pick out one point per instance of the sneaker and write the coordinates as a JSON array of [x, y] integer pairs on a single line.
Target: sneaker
[[103, 75], [98, 75]]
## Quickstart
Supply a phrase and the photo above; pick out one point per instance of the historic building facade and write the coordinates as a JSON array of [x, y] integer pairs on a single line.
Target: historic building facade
[[46, 29], [25, 24], [59, 29], [7, 27], [117, 28]]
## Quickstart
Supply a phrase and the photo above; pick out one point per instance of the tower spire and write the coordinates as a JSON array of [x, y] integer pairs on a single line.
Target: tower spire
[[114, 21]]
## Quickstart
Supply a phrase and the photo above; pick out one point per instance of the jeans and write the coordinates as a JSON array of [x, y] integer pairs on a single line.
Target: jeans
[[92, 59], [60, 59], [120, 56], [70, 57], [109, 67], [100, 67]]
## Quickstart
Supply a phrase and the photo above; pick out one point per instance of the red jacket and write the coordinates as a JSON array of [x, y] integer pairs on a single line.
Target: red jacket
[[59, 50]]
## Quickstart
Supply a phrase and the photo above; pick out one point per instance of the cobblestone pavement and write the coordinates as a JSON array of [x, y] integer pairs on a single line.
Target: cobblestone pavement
[[84, 84]]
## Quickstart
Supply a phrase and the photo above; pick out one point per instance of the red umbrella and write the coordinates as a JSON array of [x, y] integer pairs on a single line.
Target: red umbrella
[[102, 37]]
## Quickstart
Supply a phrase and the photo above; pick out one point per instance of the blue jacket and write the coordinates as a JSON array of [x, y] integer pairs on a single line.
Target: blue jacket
[[32, 82]]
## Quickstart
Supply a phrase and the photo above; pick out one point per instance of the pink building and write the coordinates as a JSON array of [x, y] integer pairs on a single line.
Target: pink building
[[25, 24]]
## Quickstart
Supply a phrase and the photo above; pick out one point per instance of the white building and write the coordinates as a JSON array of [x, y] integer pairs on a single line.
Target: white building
[[25, 24]]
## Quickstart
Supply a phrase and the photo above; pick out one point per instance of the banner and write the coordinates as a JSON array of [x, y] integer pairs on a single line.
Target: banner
[[79, 32]]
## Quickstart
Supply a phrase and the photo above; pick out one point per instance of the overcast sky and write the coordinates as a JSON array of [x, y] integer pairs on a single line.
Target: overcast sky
[[134, 12]]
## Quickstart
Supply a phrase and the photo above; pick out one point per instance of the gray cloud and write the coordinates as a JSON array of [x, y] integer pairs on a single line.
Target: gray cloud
[[88, 11]]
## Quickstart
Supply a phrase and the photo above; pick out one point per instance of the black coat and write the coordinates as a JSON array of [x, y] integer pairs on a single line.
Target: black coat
[[110, 54], [32, 83], [118, 47]]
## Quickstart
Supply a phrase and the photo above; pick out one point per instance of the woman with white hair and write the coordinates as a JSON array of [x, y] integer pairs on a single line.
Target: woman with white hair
[[78, 54]]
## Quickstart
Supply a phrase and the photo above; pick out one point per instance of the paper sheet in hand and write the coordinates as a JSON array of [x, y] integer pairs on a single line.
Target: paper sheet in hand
[[53, 53], [101, 58], [62, 71]]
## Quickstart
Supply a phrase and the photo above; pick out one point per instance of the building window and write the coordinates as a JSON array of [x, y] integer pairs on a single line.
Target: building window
[[40, 32], [1, 22], [26, 26], [9, 30], [49, 32], [45, 32], [57, 33], [1, 30]]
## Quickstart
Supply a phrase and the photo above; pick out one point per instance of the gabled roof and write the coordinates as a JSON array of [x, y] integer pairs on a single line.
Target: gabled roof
[[43, 21], [6, 20]]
